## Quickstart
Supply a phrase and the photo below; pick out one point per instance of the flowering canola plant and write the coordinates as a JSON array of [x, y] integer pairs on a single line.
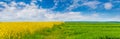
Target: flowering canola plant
[[8, 29]]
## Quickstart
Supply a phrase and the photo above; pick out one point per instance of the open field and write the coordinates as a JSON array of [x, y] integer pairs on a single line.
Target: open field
[[19, 30], [60, 30]]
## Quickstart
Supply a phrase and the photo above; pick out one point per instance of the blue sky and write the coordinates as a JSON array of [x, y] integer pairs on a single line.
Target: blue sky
[[59, 10]]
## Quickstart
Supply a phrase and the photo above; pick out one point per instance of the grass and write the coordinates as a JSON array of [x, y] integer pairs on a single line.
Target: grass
[[69, 30]]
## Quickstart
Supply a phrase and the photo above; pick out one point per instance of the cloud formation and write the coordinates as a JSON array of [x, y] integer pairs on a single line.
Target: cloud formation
[[108, 6], [30, 12], [91, 4]]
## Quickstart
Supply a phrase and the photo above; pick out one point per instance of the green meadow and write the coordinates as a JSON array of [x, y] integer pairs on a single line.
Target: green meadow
[[79, 30]]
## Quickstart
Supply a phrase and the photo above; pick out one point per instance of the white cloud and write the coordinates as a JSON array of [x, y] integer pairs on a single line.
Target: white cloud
[[108, 6], [21, 3], [91, 4], [74, 5], [95, 14]]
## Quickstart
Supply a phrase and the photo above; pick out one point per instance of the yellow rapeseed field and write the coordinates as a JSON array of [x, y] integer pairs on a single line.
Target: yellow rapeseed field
[[8, 29]]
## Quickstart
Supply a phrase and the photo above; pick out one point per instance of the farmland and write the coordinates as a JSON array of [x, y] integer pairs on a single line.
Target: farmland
[[60, 30], [18, 30]]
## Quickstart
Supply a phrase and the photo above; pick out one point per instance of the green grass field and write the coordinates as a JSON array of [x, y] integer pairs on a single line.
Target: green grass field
[[79, 30]]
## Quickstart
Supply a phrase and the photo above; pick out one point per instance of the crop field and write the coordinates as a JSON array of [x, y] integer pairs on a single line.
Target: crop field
[[60, 30], [22, 30]]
